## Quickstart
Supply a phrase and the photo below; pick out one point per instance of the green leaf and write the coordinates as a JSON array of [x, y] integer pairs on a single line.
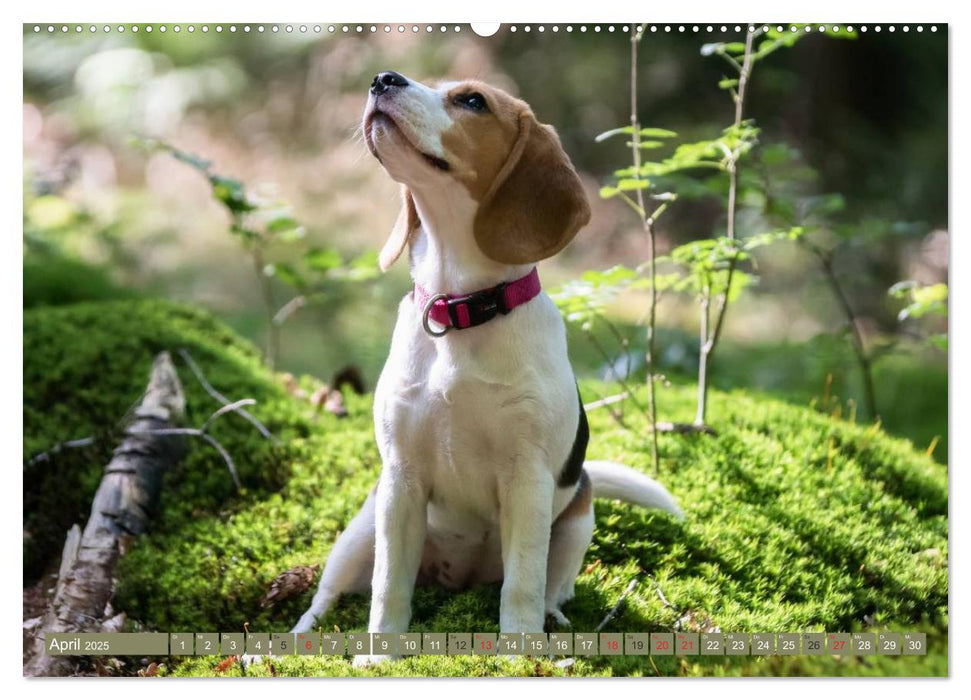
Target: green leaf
[[655, 133], [231, 193], [829, 204], [364, 266], [582, 301], [925, 299], [776, 154], [902, 289], [740, 280], [728, 83], [323, 259], [287, 274], [631, 184], [613, 276], [608, 191], [932, 298], [247, 235], [763, 239], [646, 132], [195, 161], [708, 255], [837, 31], [52, 212], [647, 145], [281, 223], [776, 40]]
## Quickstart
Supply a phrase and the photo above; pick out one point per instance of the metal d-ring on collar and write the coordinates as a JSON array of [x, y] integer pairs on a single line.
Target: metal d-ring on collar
[[428, 310]]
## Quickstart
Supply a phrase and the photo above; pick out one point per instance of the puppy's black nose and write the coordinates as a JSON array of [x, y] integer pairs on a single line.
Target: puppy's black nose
[[384, 81]]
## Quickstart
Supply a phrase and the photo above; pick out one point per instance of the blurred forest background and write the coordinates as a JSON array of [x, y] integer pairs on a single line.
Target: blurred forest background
[[866, 119]]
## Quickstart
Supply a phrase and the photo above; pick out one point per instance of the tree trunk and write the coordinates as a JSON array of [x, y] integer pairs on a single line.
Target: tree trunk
[[125, 501]]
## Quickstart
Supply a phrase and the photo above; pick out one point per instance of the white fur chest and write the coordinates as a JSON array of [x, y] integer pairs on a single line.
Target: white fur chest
[[457, 414]]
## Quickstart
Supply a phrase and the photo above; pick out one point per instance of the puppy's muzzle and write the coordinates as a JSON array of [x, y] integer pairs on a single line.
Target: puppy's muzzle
[[385, 81]]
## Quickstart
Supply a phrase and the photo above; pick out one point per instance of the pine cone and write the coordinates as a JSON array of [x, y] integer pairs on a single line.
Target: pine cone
[[289, 584]]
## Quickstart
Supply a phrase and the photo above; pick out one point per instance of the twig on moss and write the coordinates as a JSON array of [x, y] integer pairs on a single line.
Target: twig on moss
[[606, 401], [227, 407], [211, 390], [59, 447], [660, 594], [620, 602], [611, 364], [685, 428], [202, 433], [195, 432]]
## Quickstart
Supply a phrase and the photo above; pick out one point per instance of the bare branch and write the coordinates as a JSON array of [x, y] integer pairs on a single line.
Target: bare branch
[[60, 447], [660, 594], [647, 223], [616, 609], [710, 340], [606, 401], [226, 456], [289, 309], [610, 363], [195, 432], [228, 408], [211, 390]]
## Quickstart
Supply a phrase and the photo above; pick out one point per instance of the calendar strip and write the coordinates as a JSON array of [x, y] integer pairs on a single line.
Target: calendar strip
[[584, 644]]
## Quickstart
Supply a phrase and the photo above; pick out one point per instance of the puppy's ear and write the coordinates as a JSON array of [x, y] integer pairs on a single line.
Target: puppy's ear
[[404, 226], [536, 204]]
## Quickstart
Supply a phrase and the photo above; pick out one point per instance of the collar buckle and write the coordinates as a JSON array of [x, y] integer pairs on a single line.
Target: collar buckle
[[477, 308]]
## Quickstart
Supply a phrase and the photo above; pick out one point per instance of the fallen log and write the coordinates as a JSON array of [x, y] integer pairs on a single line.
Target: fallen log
[[122, 507]]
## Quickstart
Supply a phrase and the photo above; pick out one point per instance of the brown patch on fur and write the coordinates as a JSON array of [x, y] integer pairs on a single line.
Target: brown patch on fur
[[478, 144], [580, 503], [532, 203]]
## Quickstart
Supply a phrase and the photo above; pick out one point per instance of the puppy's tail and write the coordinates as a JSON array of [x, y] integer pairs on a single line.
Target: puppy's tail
[[612, 480]]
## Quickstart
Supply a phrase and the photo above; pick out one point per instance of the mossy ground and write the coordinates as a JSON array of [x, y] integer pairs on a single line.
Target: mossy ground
[[795, 521]]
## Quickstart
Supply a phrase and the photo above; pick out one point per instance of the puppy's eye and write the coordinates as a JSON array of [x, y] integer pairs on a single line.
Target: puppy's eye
[[474, 101]]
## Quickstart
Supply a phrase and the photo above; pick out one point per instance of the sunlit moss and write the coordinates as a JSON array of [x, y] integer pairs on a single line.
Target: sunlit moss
[[795, 521]]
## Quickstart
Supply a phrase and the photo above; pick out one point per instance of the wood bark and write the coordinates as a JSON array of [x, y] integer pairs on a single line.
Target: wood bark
[[124, 503]]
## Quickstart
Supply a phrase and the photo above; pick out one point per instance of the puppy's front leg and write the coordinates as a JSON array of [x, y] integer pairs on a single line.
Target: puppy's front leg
[[525, 519], [400, 529]]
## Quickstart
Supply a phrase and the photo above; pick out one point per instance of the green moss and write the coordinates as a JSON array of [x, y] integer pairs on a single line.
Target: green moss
[[86, 365], [51, 280], [796, 521]]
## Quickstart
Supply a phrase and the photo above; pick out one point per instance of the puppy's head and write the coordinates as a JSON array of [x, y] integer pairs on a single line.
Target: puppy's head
[[469, 135]]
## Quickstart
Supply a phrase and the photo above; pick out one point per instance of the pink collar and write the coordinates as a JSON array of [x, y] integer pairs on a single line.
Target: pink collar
[[468, 310]]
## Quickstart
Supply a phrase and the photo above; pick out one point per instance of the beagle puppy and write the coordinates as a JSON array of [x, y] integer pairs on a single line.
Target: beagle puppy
[[477, 415]]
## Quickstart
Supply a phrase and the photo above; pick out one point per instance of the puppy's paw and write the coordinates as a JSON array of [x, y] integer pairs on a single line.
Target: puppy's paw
[[556, 620], [365, 660]]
